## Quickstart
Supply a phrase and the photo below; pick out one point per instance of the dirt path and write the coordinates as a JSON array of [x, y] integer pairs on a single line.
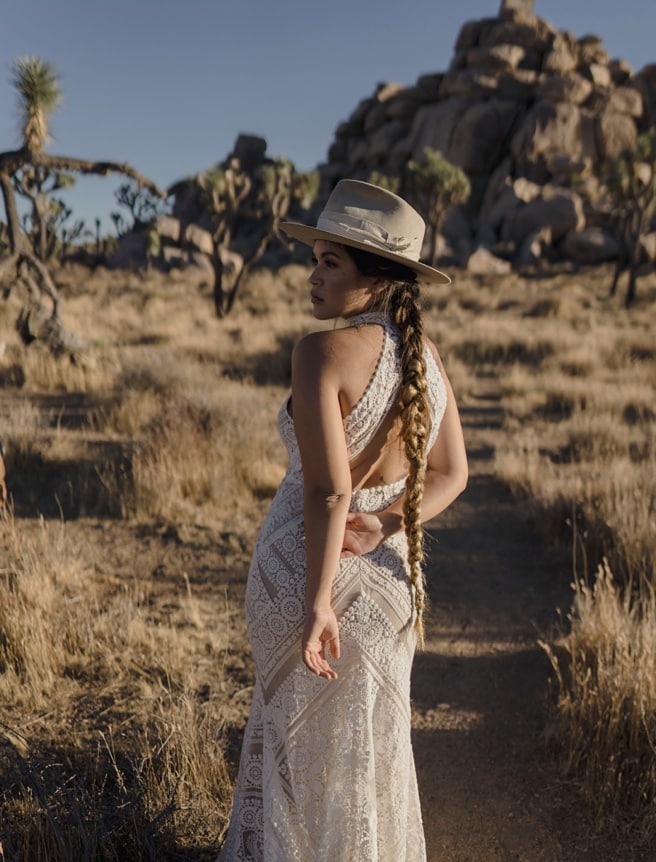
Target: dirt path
[[489, 792]]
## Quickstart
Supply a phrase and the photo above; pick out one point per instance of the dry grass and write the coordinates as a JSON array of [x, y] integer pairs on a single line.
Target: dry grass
[[188, 461], [124, 677], [581, 440], [146, 776], [605, 668]]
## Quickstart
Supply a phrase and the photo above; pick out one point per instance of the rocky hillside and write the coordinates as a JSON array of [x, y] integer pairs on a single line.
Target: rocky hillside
[[529, 112]]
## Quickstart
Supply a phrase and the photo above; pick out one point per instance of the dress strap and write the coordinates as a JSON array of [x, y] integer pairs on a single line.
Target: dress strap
[[379, 317]]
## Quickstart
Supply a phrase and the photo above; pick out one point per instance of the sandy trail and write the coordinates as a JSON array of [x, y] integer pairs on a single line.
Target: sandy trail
[[489, 791]]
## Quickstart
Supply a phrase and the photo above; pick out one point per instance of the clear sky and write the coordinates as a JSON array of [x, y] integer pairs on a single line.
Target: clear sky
[[167, 85]]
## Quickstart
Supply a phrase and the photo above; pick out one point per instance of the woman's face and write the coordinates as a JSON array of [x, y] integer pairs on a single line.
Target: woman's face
[[338, 289]]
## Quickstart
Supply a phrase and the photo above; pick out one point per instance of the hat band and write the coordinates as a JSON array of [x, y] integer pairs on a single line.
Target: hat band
[[368, 232]]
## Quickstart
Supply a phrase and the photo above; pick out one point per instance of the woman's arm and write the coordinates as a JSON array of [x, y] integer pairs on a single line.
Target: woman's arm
[[446, 478], [326, 488]]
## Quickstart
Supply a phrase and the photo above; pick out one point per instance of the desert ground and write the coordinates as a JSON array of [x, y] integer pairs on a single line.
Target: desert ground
[[139, 469]]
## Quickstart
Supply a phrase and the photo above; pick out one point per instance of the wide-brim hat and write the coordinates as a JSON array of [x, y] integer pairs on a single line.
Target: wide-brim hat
[[365, 216]]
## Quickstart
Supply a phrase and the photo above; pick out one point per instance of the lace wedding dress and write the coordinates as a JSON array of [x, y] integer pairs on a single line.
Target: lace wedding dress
[[327, 772]]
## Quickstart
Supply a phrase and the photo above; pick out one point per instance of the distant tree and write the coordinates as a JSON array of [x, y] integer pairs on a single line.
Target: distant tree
[[254, 205], [305, 188], [48, 213], [385, 181], [433, 185], [140, 202], [630, 181], [36, 85], [70, 234], [120, 225]]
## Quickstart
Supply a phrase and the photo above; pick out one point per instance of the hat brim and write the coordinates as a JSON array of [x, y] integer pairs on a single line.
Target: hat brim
[[309, 235]]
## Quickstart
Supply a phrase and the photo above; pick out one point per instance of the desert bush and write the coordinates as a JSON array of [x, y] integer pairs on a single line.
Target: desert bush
[[192, 456], [505, 351], [91, 369], [149, 778], [604, 719], [41, 623], [153, 790], [23, 435]]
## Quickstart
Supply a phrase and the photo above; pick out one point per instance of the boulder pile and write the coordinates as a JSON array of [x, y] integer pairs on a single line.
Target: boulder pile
[[530, 113]]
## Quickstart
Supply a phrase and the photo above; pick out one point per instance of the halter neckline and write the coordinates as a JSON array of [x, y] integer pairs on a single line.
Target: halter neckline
[[379, 317]]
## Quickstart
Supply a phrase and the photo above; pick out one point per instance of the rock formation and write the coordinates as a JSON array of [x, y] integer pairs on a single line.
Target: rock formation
[[529, 113]]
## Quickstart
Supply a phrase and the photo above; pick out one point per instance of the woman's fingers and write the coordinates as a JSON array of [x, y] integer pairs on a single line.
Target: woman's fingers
[[314, 658]]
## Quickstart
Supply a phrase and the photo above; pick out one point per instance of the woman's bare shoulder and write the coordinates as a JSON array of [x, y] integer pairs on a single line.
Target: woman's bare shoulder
[[320, 352], [324, 345]]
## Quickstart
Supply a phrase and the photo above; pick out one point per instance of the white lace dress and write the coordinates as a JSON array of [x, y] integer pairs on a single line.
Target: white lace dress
[[327, 772]]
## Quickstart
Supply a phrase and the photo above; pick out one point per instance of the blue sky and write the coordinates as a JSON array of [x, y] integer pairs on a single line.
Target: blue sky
[[167, 85]]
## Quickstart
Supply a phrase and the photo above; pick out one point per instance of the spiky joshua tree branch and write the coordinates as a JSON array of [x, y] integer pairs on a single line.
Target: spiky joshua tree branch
[[37, 88]]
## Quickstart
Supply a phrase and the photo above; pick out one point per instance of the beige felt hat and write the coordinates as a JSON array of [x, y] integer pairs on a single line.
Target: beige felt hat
[[365, 216]]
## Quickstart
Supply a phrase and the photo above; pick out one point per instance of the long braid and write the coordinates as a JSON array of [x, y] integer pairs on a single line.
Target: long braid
[[403, 305], [400, 299]]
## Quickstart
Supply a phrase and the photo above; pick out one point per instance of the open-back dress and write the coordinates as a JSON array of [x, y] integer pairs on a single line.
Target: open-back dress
[[326, 771]]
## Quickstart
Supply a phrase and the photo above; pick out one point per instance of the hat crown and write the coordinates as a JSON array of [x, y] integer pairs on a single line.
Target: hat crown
[[368, 214]]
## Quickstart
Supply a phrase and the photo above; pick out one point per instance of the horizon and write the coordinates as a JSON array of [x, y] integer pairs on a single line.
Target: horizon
[[169, 90]]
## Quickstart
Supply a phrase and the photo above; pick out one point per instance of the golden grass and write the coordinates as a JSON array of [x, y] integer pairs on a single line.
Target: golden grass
[[586, 444], [189, 459], [152, 791], [151, 778], [166, 420], [605, 718]]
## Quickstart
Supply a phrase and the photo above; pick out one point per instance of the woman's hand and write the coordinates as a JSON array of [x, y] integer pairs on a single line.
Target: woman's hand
[[321, 628], [363, 533]]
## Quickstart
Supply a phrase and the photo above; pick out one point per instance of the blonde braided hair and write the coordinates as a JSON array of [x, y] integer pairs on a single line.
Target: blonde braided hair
[[400, 299]]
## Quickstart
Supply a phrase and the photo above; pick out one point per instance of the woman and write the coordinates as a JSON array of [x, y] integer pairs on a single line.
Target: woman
[[335, 594]]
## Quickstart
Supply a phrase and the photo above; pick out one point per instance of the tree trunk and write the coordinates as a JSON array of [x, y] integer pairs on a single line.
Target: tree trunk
[[47, 284], [619, 269], [630, 294], [219, 295], [41, 249], [248, 263], [629, 297], [14, 232]]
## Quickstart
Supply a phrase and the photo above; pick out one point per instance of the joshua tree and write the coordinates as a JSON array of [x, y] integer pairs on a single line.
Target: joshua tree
[[630, 181], [306, 188], [36, 84], [47, 214], [385, 181], [70, 234], [433, 185], [140, 202], [251, 205]]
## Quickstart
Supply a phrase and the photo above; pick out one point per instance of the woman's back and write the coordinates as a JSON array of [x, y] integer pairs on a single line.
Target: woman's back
[[365, 360]]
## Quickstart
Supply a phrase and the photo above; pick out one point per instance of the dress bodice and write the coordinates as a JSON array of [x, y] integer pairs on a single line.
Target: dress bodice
[[366, 417]]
